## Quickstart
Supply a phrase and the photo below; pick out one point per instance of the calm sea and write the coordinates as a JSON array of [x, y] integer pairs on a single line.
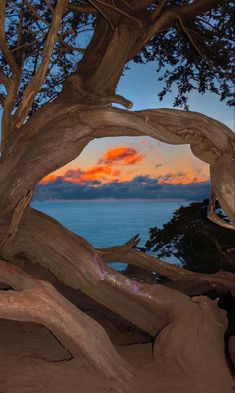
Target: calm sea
[[110, 222]]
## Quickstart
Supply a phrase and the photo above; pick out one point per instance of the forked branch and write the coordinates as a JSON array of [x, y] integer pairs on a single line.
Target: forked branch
[[33, 87]]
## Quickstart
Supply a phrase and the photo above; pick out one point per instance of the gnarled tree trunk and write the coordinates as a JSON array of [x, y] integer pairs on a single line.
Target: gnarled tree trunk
[[56, 134]]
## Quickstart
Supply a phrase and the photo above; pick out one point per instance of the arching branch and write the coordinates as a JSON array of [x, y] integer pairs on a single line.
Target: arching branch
[[210, 141]]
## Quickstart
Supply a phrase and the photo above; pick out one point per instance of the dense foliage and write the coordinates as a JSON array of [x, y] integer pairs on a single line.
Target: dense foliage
[[197, 55], [200, 244]]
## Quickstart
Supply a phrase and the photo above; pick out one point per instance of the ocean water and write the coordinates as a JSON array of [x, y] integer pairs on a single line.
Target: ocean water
[[106, 223]]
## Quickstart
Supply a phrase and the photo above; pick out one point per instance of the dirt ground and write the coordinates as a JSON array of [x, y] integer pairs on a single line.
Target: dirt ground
[[33, 361]]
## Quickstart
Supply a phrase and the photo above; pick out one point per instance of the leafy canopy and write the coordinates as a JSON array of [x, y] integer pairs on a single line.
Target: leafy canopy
[[191, 54], [200, 244]]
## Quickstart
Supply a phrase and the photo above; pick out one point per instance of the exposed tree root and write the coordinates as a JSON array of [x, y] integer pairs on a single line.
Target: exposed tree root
[[75, 263], [169, 314], [38, 301]]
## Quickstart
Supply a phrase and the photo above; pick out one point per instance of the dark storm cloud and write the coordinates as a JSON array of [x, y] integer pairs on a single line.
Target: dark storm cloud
[[139, 187]]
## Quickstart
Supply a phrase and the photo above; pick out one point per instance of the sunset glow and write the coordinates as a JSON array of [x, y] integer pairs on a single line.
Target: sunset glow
[[122, 164]]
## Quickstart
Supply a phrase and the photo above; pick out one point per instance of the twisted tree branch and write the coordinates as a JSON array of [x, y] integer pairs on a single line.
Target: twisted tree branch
[[222, 281]]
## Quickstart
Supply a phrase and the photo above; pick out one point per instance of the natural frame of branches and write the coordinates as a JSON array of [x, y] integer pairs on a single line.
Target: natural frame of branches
[[56, 97]]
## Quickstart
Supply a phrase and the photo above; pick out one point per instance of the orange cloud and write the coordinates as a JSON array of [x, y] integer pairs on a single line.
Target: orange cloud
[[118, 164], [121, 155], [98, 172]]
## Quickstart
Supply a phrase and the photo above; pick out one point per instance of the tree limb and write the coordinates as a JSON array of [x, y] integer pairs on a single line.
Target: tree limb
[[99, 9], [11, 85], [186, 11], [191, 40], [36, 82], [71, 48], [122, 12], [196, 8], [49, 6], [3, 44], [222, 281], [4, 80], [159, 9], [82, 9], [35, 13]]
